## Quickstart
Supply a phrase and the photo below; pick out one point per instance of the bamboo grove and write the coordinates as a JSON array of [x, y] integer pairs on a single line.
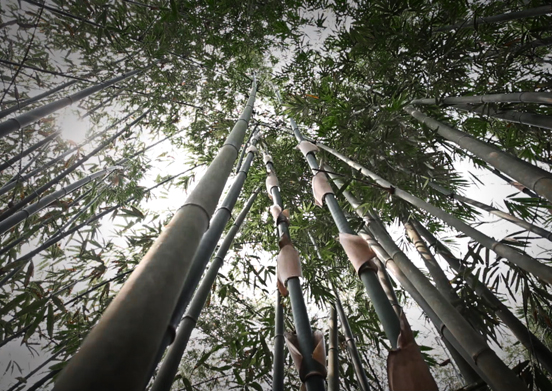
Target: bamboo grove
[[331, 195]]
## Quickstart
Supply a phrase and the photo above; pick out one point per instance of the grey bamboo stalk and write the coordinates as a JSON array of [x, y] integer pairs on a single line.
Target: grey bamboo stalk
[[497, 212], [467, 367], [474, 23], [368, 276], [530, 119], [351, 344], [530, 176], [333, 354], [543, 98], [48, 185], [522, 260], [301, 319], [11, 184], [499, 376], [29, 150], [204, 252], [24, 214], [520, 331], [119, 351], [279, 342], [387, 286], [36, 98], [34, 115], [169, 366]]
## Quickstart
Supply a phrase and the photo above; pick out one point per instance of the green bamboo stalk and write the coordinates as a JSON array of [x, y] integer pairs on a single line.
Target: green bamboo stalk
[[120, 350], [315, 382], [279, 342], [529, 119], [333, 354], [522, 260], [351, 345], [497, 212], [497, 374], [34, 115], [169, 366], [474, 23], [368, 276], [530, 176], [48, 185], [520, 331], [543, 98]]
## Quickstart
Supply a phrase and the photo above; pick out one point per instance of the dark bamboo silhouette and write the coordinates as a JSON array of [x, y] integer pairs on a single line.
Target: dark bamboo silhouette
[[333, 354], [522, 260], [279, 342], [117, 353], [169, 366]]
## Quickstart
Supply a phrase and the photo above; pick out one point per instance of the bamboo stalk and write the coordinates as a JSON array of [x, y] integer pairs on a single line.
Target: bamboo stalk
[[515, 184], [34, 115], [169, 366], [351, 345], [497, 212], [522, 260], [368, 276], [520, 331], [279, 342], [474, 23], [543, 98], [333, 354], [120, 350], [29, 150], [305, 335], [529, 119], [495, 372], [530, 176]]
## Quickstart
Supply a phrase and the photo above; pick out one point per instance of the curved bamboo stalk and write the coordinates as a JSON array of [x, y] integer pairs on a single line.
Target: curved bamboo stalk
[[12, 183], [522, 260], [530, 176], [529, 119], [497, 212], [383, 307], [333, 354], [301, 320], [279, 342], [495, 372], [169, 366], [520, 331], [120, 350], [29, 150], [543, 98], [474, 23], [34, 115], [37, 192], [204, 252], [351, 345]]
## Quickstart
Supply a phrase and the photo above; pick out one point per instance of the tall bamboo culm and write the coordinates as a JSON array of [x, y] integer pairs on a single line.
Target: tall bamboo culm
[[530, 176], [522, 260], [120, 350], [169, 366], [333, 353], [495, 372], [279, 342], [533, 344]]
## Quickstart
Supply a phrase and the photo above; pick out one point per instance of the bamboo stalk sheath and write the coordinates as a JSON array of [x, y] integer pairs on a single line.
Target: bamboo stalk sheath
[[522, 260], [120, 350]]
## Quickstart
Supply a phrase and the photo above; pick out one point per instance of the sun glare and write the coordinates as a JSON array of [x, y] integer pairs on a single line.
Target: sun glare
[[73, 127]]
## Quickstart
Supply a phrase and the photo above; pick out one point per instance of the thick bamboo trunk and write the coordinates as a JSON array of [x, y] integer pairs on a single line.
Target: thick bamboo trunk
[[530, 176], [368, 276], [333, 354], [529, 119], [496, 373], [520, 331], [29, 150], [10, 185], [120, 350], [48, 185], [474, 23], [543, 98], [522, 260], [169, 366], [351, 345], [301, 321], [34, 115], [279, 342], [497, 212]]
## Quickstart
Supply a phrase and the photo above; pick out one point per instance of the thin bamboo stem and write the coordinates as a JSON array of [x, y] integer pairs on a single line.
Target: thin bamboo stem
[[529, 119], [29, 150], [522, 260], [543, 98], [333, 354], [530, 176], [279, 342]]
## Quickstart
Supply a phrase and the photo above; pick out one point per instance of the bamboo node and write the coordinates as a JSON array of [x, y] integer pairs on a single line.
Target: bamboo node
[[318, 355], [358, 251], [320, 187], [288, 262], [307, 147]]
